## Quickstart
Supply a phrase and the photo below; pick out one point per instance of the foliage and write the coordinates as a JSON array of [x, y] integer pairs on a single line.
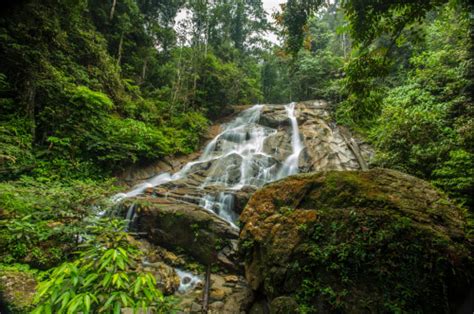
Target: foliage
[[40, 223], [423, 122], [312, 72], [294, 18], [396, 72], [83, 84], [456, 176], [104, 279], [16, 155]]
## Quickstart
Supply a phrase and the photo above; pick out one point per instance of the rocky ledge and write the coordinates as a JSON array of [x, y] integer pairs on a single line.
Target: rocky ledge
[[355, 242]]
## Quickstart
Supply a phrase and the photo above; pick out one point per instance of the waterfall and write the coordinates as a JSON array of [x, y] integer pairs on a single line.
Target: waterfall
[[235, 158], [290, 165], [129, 217]]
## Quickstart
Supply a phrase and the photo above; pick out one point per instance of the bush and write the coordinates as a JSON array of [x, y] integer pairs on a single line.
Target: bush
[[16, 154], [456, 176], [40, 223], [104, 279]]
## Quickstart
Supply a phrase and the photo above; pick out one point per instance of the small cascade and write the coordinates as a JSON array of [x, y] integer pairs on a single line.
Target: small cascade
[[129, 217], [187, 280], [290, 165], [234, 159], [137, 190], [222, 205]]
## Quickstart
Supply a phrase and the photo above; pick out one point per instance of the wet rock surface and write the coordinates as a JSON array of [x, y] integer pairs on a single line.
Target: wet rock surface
[[356, 242], [225, 297], [203, 235]]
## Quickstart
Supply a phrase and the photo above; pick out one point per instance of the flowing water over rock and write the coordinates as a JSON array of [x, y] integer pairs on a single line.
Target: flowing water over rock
[[187, 280], [197, 207], [262, 144]]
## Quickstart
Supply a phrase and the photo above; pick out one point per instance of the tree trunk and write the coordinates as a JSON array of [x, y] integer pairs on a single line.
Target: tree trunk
[[206, 290], [177, 85], [112, 10], [29, 104], [119, 54], [145, 63]]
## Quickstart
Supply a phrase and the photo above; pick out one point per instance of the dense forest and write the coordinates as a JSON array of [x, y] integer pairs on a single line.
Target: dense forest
[[89, 88]]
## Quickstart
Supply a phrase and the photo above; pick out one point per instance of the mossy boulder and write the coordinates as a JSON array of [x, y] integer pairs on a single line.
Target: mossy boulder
[[17, 291], [203, 235], [357, 242]]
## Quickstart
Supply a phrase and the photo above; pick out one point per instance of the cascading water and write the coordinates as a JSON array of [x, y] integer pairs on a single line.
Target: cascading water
[[290, 166], [234, 159], [222, 204], [187, 280]]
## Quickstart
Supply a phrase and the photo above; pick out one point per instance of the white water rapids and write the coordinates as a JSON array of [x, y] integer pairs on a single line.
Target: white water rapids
[[239, 151]]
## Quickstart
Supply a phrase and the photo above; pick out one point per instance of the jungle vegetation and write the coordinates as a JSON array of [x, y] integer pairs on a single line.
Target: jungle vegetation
[[91, 87]]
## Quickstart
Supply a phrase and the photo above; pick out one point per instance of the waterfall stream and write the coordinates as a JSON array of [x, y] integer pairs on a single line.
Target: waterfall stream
[[197, 207], [290, 166], [236, 158]]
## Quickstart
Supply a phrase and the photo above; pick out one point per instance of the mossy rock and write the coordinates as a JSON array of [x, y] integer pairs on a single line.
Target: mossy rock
[[17, 290], [357, 242], [203, 235]]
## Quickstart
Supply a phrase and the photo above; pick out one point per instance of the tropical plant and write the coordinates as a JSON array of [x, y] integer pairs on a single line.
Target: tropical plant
[[106, 278]]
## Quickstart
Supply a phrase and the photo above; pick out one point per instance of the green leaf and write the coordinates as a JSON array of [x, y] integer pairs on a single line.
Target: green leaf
[[87, 303], [117, 308]]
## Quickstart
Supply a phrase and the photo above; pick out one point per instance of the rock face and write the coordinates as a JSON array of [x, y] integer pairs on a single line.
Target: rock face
[[356, 242], [250, 151]]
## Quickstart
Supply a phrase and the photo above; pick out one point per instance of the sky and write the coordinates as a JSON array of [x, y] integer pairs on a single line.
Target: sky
[[271, 5]]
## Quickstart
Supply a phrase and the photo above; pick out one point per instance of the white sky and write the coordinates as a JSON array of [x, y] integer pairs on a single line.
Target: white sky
[[271, 5]]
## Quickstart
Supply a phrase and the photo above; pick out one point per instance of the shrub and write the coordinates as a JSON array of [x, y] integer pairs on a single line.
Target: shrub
[[105, 278]]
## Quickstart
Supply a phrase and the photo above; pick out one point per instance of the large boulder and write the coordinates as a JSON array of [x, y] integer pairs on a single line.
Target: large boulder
[[356, 242], [203, 235]]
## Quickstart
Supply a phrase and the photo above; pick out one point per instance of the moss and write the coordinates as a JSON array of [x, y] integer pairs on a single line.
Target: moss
[[357, 242], [17, 289]]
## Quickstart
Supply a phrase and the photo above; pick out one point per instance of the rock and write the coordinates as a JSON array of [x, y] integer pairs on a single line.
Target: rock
[[238, 301], [166, 278], [325, 147], [278, 145], [171, 258], [258, 308], [369, 241], [17, 291], [196, 308], [217, 294], [284, 305], [274, 116], [216, 306], [201, 234], [231, 279]]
